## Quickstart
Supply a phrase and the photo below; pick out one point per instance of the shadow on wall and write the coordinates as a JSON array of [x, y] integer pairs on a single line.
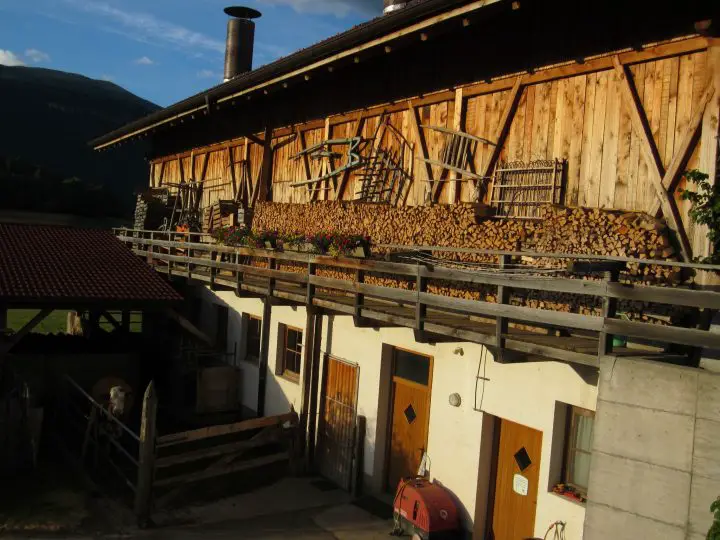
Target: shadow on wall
[[276, 401]]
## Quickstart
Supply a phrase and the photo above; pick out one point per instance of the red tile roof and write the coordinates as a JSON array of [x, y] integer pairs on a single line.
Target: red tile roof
[[44, 264]]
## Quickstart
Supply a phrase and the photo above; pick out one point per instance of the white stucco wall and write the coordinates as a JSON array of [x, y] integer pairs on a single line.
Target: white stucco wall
[[525, 393]]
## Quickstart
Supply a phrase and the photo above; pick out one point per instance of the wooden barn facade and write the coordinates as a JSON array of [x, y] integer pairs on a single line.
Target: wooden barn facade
[[516, 135]]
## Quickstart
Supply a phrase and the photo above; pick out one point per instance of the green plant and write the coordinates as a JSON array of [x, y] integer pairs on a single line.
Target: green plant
[[705, 209], [714, 532]]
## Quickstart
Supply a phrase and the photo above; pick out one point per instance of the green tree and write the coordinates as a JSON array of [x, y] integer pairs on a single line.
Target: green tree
[[705, 209]]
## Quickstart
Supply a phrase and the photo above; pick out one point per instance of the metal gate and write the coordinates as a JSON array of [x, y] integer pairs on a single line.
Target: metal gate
[[336, 432]]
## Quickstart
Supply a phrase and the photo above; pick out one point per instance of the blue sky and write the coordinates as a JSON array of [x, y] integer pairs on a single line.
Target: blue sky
[[162, 50]]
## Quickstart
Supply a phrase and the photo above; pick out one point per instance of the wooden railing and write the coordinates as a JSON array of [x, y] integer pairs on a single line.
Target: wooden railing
[[435, 314], [201, 454]]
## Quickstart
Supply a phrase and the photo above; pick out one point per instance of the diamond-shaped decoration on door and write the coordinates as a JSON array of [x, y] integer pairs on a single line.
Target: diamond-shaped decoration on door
[[410, 415], [522, 459]]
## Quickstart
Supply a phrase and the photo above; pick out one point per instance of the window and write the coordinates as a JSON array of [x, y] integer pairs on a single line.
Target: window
[[579, 445], [289, 358], [253, 326], [221, 327]]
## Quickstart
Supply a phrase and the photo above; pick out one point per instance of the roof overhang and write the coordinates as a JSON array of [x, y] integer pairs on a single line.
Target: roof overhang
[[374, 35]]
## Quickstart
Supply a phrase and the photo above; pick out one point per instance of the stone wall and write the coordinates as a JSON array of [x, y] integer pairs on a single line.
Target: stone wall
[[655, 466]]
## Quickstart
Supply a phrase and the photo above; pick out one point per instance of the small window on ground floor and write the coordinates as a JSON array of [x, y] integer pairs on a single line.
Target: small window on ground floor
[[253, 327], [578, 449], [289, 357]]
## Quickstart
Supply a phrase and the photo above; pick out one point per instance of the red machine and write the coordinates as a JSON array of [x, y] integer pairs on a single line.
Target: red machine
[[425, 509]]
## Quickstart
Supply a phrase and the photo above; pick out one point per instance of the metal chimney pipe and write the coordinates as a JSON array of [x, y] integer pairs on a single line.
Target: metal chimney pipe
[[240, 41], [394, 5]]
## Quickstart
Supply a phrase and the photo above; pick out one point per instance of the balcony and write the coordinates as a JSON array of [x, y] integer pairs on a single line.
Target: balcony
[[379, 292]]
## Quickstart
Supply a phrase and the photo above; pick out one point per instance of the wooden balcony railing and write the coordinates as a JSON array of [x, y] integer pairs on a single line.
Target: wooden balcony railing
[[437, 317]]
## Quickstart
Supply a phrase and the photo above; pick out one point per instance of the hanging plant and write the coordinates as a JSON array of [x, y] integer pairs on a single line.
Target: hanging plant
[[705, 209]]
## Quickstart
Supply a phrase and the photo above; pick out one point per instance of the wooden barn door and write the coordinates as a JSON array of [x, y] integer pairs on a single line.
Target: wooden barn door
[[411, 384], [336, 439], [516, 484]]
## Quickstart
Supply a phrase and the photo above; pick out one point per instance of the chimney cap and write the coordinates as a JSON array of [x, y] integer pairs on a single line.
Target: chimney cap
[[242, 12]]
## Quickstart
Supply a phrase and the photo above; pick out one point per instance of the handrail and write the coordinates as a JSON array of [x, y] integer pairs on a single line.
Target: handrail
[[644, 293], [496, 252], [416, 305]]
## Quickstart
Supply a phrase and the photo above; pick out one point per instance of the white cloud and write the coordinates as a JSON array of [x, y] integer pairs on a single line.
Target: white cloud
[[147, 28], [9, 58], [37, 56], [339, 8], [144, 61], [108, 78], [208, 74]]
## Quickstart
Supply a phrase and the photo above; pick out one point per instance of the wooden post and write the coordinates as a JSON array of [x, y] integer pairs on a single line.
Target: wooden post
[[704, 323], [125, 321], [501, 325], [213, 270], [314, 389], [359, 299], [143, 493], [308, 340], [263, 362], [238, 276], [420, 308], [359, 451], [312, 267], [272, 265], [605, 345]]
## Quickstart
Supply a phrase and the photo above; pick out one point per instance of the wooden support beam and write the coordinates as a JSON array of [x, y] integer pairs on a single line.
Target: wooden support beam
[[264, 354], [503, 128], [455, 186], [422, 144], [257, 140], [652, 156], [189, 327], [307, 360], [709, 155], [314, 389], [340, 191], [112, 320], [501, 323], [146, 468], [420, 307], [684, 152], [609, 307], [6, 346], [263, 189]]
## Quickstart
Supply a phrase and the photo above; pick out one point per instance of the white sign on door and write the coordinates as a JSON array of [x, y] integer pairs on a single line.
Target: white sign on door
[[520, 485]]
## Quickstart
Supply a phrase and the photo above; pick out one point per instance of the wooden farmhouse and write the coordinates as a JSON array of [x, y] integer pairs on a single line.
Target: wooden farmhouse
[[531, 326]]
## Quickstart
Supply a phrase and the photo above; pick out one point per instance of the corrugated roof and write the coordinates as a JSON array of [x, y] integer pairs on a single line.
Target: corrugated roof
[[46, 264]]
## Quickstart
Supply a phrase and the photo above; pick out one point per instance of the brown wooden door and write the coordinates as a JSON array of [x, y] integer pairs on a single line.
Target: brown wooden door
[[336, 441], [410, 416], [516, 484]]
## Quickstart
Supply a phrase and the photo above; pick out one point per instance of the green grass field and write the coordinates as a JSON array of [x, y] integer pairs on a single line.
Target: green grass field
[[54, 323]]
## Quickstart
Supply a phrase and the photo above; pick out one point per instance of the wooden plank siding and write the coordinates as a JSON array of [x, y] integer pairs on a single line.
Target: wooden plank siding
[[580, 117]]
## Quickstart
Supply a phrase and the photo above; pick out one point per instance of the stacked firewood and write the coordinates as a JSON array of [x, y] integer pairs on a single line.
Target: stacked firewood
[[561, 230]]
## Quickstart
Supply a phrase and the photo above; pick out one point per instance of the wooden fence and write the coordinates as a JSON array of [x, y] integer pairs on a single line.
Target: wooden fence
[[256, 272], [147, 462]]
